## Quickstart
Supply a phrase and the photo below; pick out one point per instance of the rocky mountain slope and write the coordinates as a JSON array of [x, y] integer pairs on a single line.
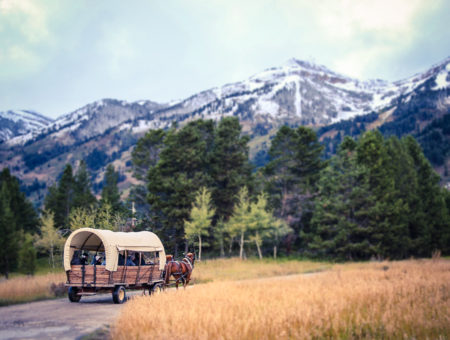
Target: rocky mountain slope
[[296, 93], [16, 123]]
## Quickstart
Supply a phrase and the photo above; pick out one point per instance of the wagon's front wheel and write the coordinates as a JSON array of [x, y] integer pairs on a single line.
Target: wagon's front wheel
[[157, 289], [73, 294], [119, 294]]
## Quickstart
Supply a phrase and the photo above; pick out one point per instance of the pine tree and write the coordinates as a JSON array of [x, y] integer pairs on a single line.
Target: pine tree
[[181, 170], [342, 224], [27, 256], [430, 220], [82, 195], [59, 199], [25, 215], [390, 211], [110, 191], [292, 173], [146, 152], [200, 218], [230, 169], [10, 236]]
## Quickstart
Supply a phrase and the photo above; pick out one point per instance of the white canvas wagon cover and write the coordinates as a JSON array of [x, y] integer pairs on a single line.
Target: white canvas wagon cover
[[111, 243]]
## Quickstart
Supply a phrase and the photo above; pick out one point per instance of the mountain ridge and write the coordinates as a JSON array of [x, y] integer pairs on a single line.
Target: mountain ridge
[[295, 93]]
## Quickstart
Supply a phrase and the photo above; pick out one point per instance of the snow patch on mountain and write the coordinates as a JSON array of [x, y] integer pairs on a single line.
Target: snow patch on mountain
[[20, 122]]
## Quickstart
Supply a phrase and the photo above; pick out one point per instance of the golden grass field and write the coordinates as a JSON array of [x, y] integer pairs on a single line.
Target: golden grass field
[[23, 288], [387, 300], [29, 288], [235, 269]]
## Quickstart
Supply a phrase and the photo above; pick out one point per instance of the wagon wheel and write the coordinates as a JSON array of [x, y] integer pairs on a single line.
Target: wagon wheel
[[157, 289], [119, 294], [73, 294]]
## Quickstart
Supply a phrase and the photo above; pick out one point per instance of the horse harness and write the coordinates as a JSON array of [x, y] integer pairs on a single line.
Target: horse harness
[[187, 262]]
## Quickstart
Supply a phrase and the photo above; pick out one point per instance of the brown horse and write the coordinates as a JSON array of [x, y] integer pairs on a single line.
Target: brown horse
[[180, 270]]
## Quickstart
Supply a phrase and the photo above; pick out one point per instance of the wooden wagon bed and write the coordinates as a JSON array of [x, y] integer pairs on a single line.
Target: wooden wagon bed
[[98, 276]]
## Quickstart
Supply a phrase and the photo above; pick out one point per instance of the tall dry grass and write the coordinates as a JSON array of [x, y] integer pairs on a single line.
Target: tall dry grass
[[29, 288], [236, 269], [395, 300]]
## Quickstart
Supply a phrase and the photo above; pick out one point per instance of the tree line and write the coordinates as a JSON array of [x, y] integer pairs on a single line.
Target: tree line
[[69, 205], [376, 197]]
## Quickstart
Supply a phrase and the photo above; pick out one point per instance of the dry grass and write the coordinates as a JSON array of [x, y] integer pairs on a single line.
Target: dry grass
[[24, 288], [391, 300], [235, 269]]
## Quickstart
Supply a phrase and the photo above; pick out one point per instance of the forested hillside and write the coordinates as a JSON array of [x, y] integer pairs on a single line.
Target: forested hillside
[[377, 197]]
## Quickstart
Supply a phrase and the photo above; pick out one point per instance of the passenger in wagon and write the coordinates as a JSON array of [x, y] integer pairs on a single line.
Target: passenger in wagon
[[121, 260], [76, 258], [97, 260], [136, 259], [84, 258], [130, 261]]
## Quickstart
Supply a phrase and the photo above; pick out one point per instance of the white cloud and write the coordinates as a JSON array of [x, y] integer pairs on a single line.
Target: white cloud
[[27, 17], [349, 18], [23, 30]]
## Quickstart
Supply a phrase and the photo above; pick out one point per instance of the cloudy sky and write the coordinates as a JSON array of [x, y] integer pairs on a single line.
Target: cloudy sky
[[56, 56]]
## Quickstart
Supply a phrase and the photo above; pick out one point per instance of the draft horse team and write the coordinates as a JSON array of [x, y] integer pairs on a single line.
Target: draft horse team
[[102, 260]]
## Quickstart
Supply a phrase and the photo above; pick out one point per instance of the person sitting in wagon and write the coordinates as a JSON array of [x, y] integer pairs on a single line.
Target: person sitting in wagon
[[76, 258], [130, 261]]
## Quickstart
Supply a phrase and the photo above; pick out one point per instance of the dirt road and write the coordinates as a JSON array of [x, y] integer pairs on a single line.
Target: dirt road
[[58, 319]]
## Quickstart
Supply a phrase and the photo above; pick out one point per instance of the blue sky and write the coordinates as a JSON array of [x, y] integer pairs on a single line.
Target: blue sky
[[56, 56]]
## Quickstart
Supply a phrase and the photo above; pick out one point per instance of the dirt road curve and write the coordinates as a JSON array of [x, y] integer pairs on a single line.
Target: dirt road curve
[[58, 319]]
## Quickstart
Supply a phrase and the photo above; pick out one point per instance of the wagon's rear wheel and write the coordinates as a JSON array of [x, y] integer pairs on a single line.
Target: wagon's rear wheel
[[157, 289], [119, 294], [73, 294]]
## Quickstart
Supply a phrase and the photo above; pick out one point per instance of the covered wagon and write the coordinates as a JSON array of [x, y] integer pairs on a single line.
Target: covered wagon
[[102, 260]]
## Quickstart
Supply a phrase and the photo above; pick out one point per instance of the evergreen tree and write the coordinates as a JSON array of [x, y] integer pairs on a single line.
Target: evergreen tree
[[110, 191], [59, 199], [145, 155], [82, 195], [230, 169], [146, 152], [23, 211], [181, 170], [200, 218], [342, 224], [27, 256], [292, 173], [390, 210], [10, 236], [430, 220]]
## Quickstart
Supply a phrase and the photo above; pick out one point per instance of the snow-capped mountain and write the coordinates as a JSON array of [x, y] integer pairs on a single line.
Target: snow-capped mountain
[[295, 93], [298, 92], [15, 123], [89, 121]]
